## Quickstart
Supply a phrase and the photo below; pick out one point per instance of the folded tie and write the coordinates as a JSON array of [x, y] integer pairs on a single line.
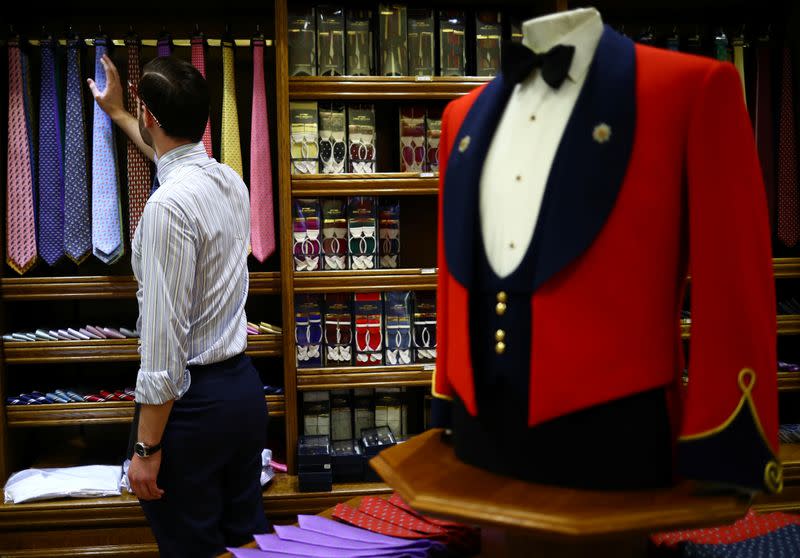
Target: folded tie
[[385, 511], [359, 519]]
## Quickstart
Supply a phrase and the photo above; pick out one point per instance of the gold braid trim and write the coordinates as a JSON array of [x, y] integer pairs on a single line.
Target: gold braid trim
[[773, 472], [435, 393]]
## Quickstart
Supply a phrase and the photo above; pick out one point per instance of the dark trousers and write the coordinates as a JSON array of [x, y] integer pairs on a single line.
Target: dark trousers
[[211, 464]]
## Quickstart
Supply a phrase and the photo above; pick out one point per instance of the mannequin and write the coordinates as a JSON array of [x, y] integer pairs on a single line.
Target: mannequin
[[567, 214]]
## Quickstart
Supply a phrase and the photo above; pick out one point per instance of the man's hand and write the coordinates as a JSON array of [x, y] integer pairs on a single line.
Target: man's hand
[[110, 100], [142, 475]]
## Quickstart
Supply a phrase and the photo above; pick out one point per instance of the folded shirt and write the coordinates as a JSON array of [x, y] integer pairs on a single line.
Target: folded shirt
[[91, 481]]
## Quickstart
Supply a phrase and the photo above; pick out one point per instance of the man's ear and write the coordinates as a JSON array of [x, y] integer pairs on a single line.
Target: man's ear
[[149, 119]]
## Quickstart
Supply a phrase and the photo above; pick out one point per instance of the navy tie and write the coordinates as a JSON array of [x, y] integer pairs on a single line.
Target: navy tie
[[77, 225], [51, 164]]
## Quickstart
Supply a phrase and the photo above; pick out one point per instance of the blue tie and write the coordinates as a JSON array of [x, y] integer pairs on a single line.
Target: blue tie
[[51, 164], [77, 226], [106, 206]]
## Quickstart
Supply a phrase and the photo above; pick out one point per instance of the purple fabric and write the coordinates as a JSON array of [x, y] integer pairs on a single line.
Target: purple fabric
[[78, 334], [296, 534], [97, 331], [89, 334], [334, 528], [113, 333], [273, 543]]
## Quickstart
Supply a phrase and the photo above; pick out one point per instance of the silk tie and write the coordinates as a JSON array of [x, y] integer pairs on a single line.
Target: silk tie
[[382, 509], [139, 180], [199, 62], [764, 124], [788, 203], [262, 218], [231, 153], [106, 209], [345, 513], [519, 61], [164, 45], [738, 61], [20, 218], [77, 225], [51, 163]]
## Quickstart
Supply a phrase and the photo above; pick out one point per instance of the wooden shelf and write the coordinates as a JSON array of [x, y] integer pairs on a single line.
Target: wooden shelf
[[377, 88], [111, 350], [364, 376], [409, 279], [281, 500], [787, 268], [110, 412], [790, 457], [788, 324], [382, 184], [789, 381], [103, 286]]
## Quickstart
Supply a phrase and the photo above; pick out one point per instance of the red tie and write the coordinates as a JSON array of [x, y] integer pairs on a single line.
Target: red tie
[[788, 204], [383, 510], [352, 516], [199, 62], [262, 218], [750, 526], [139, 180], [764, 125]]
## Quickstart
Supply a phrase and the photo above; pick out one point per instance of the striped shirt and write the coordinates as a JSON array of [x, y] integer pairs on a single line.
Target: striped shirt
[[190, 262]]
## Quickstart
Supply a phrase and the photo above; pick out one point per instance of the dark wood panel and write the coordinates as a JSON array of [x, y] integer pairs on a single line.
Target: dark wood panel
[[789, 381], [787, 268], [110, 350], [414, 279], [368, 376], [384, 184], [381, 88], [787, 325]]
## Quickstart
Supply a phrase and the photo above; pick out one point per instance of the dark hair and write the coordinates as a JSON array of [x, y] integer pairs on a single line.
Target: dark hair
[[176, 94]]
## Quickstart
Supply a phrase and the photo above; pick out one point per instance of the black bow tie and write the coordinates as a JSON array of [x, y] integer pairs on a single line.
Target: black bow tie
[[519, 61]]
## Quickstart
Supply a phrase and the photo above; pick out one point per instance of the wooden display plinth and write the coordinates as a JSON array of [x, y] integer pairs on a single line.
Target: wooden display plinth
[[525, 519]]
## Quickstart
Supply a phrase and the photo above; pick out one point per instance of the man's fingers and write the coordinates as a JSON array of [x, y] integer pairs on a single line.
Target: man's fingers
[[110, 67], [93, 88]]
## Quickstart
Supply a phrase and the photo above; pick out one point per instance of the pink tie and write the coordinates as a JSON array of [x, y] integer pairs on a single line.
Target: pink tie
[[199, 62], [21, 226], [262, 218]]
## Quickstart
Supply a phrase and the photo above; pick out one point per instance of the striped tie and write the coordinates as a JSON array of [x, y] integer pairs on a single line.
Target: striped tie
[[51, 164], [139, 180], [262, 218], [106, 208], [199, 62], [231, 153], [77, 225], [20, 211]]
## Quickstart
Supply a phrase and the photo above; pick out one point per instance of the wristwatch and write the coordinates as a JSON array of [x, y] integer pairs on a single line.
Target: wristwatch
[[143, 450]]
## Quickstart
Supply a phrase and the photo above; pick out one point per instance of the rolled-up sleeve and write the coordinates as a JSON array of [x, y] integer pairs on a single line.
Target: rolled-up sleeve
[[168, 259]]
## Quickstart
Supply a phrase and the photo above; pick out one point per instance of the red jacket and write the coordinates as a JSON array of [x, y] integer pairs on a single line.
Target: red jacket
[[676, 187]]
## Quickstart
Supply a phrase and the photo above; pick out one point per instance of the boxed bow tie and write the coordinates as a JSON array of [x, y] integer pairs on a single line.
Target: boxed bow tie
[[420, 42], [433, 130], [397, 305], [330, 41], [362, 232], [364, 410], [332, 144], [306, 225], [359, 42], [341, 415], [389, 232], [361, 138], [487, 45], [389, 403], [452, 43], [412, 138], [393, 40], [303, 148], [368, 310], [308, 330], [338, 330], [316, 413], [302, 43], [424, 336]]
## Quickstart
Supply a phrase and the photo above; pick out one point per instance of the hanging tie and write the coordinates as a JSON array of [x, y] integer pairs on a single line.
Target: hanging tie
[[738, 61], [231, 153], [262, 218], [51, 164], [106, 209], [20, 215], [164, 45], [199, 62], [77, 225], [788, 203], [764, 126], [139, 179]]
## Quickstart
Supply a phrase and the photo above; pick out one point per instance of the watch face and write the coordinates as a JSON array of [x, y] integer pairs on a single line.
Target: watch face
[[140, 449]]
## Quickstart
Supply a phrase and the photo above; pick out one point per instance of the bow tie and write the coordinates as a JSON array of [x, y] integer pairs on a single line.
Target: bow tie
[[519, 61]]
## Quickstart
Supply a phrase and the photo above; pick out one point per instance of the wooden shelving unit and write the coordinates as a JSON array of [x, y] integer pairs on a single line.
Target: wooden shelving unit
[[787, 325], [110, 350], [110, 412], [363, 376], [363, 281], [381, 88], [385, 184]]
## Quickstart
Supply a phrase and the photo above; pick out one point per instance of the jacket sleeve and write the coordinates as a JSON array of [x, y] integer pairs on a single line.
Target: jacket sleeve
[[730, 418], [441, 386]]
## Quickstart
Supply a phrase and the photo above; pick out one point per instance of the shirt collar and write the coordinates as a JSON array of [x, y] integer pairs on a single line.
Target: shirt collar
[[581, 28], [179, 156]]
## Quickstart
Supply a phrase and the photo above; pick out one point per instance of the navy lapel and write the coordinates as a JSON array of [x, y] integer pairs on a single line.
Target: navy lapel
[[463, 178], [591, 161]]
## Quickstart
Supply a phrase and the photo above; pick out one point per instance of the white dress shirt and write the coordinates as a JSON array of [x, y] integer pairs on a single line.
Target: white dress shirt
[[518, 163], [190, 261]]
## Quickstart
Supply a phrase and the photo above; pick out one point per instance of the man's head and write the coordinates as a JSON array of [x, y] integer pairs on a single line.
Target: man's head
[[174, 100]]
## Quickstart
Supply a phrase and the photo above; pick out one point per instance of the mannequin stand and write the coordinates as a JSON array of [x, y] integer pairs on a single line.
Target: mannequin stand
[[524, 519]]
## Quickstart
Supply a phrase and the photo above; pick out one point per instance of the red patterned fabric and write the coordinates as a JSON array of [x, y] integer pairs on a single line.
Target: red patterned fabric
[[750, 526], [345, 513], [381, 509]]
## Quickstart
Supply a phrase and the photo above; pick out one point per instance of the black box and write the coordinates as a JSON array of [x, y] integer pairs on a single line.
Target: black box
[[348, 461], [315, 482]]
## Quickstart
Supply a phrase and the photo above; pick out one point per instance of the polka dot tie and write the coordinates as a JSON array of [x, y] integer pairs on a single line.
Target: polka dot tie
[[262, 218], [51, 164], [106, 209], [352, 516], [199, 62], [139, 179], [231, 153], [20, 217], [788, 202], [77, 225], [750, 526]]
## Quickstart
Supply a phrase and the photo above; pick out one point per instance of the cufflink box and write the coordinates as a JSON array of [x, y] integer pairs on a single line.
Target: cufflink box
[[373, 441], [315, 482], [348, 461], [314, 454]]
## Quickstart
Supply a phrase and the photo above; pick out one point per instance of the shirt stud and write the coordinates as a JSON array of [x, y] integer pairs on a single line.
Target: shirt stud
[[601, 133], [463, 144]]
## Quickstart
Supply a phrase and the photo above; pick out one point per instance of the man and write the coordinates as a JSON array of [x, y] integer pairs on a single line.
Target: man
[[202, 419]]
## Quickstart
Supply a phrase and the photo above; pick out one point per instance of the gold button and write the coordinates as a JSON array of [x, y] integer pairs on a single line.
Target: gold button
[[499, 335], [500, 348], [502, 296], [500, 308]]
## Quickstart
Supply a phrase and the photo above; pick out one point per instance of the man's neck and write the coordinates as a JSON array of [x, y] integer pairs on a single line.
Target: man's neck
[[166, 144], [543, 33]]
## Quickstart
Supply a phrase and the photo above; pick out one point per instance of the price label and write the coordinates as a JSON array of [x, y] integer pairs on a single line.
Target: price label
[[424, 78]]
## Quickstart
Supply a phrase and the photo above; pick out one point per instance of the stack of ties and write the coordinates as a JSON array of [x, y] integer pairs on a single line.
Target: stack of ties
[[70, 334], [378, 527], [789, 306], [263, 328], [788, 367], [770, 535], [70, 396]]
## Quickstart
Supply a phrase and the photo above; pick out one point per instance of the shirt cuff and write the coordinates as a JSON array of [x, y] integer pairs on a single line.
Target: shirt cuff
[[156, 388]]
